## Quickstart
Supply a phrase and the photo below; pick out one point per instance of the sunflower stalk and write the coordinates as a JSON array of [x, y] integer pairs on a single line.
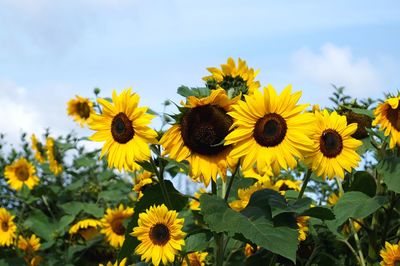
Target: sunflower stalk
[[160, 176], [307, 178], [231, 182], [219, 237]]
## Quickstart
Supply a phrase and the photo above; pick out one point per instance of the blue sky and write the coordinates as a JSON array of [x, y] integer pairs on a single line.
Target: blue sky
[[52, 50]]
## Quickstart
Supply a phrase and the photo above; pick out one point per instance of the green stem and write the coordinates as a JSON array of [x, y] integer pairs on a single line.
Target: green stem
[[307, 177], [219, 237], [160, 177], [352, 250], [231, 182]]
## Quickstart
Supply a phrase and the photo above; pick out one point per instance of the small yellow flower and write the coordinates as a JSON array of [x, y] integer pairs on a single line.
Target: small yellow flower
[[121, 263], [160, 232], [81, 109], [113, 225], [196, 259], [87, 228], [54, 156], [245, 194], [263, 176], [19, 173], [285, 184], [302, 223], [388, 117], [194, 205], [390, 254], [249, 250], [29, 245], [39, 149], [7, 228], [141, 180]]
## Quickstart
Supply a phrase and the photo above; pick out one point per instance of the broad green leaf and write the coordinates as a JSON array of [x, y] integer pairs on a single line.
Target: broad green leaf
[[356, 205], [197, 242], [40, 224], [390, 169], [93, 209], [322, 213], [255, 226], [152, 195], [364, 182], [73, 207], [84, 162], [361, 111], [64, 223]]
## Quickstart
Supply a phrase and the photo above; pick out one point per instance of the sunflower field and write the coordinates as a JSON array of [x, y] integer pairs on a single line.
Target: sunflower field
[[272, 181]]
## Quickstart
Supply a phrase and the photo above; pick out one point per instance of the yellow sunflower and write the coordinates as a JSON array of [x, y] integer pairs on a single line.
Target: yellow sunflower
[[254, 173], [199, 135], [160, 232], [244, 195], [390, 254], [7, 228], [121, 263], [39, 150], [141, 180], [19, 173], [124, 128], [333, 199], [194, 205], [195, 259], [54, 156], [87, 228], [113, 225], [334, 149], [234, 79], [285, 184], [302, 223], [270, 129], [81, 109], [388, 117], [29, 245]]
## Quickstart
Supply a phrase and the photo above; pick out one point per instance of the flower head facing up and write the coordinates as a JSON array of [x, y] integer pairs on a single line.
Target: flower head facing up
[[270, 130], [390, 254], [81, 109], [87, 228], [235, 80], [123, 126], [388, 117], [54, 156], [39, 149], [20, 173], [196, 259], [334, 148], [160, 232], [198, 137], [7, 228], [113, 225]]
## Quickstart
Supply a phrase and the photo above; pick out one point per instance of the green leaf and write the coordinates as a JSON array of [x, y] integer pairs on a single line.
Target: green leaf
[[361, 111], [152, 195], [185, 91], [322, 213], [364, 182], [197, 242], [84, 162], [255, 226], [40, 224], [390, 169], [64, 222], [356, 205], [73, 207], [93, 209]]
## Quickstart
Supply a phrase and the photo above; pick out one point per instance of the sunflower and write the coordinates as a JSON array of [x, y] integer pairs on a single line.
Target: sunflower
[[54, 156], [244, 195], [121, 263], [388, 117], [249, 250], [270, 129], [194, 205], [199, 135], [113, 225], [285, 184], [261, 177], [81, 109], [195, 259], [302, 223], [333, 199], [234, 79], [390, 254], [38, 148], [160, 232], [124, 128], [29, 245], [19, 173], [334, 148], [141, 180], [7, 228], [87, 228]]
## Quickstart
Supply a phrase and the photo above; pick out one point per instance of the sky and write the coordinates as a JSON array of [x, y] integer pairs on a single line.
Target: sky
[[52, 50]]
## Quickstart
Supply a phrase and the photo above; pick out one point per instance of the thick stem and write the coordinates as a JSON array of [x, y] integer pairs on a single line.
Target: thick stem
[[219, 237], [231, 182], [307, 177]]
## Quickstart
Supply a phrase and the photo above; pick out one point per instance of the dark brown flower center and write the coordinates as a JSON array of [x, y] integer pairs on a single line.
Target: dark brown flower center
[[270, 130], [194, 261], [22, 173], [40, 148], [83, 110], [393, 115], [118, 227], [203, 129], [159, 234], [122, 129], [397, 262], [363, 122], [4, 226], [331, 143], [283, 187]]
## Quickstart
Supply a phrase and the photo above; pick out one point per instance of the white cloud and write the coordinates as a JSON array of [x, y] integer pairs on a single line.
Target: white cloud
[[337, 65]]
